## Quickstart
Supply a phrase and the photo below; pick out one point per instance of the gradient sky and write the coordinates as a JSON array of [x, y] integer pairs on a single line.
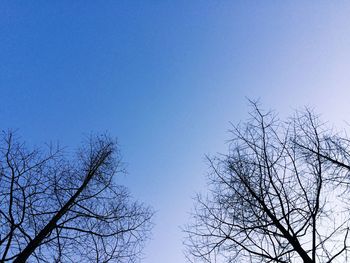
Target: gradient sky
[[167, 78]]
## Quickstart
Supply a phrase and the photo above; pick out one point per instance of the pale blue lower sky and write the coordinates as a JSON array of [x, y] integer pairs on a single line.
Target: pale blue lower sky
[[167, 78]]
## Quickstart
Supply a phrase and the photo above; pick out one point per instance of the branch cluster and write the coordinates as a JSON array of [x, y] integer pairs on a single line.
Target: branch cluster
[[280, 195], [53, 209]]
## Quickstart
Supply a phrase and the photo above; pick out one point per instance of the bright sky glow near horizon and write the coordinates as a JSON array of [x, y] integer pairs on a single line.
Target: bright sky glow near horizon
[[167, 78]]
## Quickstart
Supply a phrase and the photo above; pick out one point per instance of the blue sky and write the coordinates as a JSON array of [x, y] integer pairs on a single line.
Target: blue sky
[[167, 78]]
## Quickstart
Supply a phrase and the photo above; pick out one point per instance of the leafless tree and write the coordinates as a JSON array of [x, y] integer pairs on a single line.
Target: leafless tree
[[279, 195], [56, 209]]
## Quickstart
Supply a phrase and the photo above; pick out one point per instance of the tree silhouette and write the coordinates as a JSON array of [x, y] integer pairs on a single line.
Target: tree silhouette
[[57, 210], [279, 195]]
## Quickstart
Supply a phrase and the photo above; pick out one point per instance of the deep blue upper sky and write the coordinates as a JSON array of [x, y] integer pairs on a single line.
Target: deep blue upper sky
[[167, 78]]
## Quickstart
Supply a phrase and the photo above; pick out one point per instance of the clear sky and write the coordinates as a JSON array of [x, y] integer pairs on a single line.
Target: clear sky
[[167, 78]]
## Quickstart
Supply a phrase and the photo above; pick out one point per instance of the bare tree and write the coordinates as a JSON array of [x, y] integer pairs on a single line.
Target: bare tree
[[279, 195], [53, 209]]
